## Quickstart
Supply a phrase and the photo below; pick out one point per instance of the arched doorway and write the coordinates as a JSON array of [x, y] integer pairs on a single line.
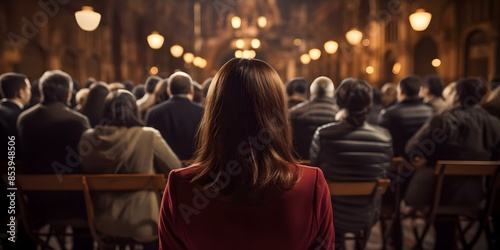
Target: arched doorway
[[32, 62], [477, 50], [425, 51]]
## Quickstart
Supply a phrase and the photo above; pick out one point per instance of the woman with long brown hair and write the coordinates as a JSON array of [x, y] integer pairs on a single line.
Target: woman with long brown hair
[[244, 190]]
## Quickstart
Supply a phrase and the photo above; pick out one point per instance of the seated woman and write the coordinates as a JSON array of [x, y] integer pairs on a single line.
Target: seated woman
[[124, 146], [245, 190], [352, 150]]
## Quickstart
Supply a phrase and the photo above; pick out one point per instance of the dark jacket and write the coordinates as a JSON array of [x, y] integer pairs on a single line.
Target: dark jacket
[[306, 118], [403, 120], [457, 134], [9, 111], [348, 153], [177, 120]]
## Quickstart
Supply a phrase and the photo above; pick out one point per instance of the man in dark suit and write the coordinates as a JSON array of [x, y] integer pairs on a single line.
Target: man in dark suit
[[15, 90], [178, 118], [50, 132], [404, 118]]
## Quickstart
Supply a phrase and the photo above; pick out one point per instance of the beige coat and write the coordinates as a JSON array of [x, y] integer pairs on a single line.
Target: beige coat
[[121, 150]]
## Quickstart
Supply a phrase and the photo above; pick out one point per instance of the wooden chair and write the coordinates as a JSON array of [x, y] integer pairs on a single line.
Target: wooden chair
[[117, 182], [352, 189], [473, 214], [27, 183], [390, 221]]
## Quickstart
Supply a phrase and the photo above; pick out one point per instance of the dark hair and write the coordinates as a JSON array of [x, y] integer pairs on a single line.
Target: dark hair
[[11, 83], [356, 97], [246, 100], [161, 94], [94, 106], [139, 91], [296, 85], [471, 91], [55, 86], [150, 84], [377, 96], [411, 85], [89, 82], [206, 85], [434, 84], [120, 109], [495, 82], [129, 85], [180, 83]]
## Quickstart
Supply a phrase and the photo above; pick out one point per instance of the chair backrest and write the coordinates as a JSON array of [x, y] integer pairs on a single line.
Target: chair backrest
[[365, 188], [48, 182], [467, 168], [125, 182]]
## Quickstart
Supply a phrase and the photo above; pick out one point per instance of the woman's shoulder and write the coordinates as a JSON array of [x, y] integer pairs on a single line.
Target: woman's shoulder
[[183, 174]]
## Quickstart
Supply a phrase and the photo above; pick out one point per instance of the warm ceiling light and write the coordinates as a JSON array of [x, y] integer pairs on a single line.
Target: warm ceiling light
[[188, 57], [297, 42], [305, 59], [248, 54], [87, 18], [155, 40], [238, 54], [315, 54], [420, 20], [366, 42], [370, 70], [253, 54], [240, 43], [176, 50], [354, 36], [197, 61], [236, 22], [396, 68], [262, 21], [153, 70], [255, 43], [436, 63], [331, 47], [203, 63]]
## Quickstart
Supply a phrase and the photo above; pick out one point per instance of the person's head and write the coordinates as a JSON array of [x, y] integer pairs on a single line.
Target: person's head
[[470, 91], [15, 86], [93, 108], [115, 86], [81, 98], [161, 93], [297, 86], [322, 87], [89, 82], [129, 85], [389, 94], [245, 128], [151, 83], [432, 86], [180, 84], [355, 97], [495, 82], [205, 85], [139, 91], [409, 87], [120, 109], [449, 93], [198, 94], [377, 96], [55, 86]]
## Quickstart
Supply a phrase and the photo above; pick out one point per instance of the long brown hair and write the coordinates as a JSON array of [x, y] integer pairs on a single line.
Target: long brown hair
[[245, 134]]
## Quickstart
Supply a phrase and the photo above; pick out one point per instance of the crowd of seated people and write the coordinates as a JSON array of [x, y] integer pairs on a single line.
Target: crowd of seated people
[[245, 133]]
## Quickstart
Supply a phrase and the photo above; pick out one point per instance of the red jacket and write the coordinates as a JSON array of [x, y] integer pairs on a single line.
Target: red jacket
[[300, 219]]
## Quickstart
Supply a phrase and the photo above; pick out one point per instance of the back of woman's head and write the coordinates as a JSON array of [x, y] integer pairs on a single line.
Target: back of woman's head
[[355, 96], [245, 133], [94, 103], [120, 109]]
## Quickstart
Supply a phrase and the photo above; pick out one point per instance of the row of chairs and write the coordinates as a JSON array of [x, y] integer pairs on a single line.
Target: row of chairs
[[135, 182]]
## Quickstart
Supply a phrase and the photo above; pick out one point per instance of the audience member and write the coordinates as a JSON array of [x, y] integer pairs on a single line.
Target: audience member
[[307, 116], [89, 82], [81, 98], [376, 107], [296, 90], [198, 96], [249, 186], [129, 85], [407, 116], [148, 100], [495, 82], [389, 95], [94, 107], [161, 93], [15, 92], [466, 132], [178, 118], [116, 86], [353, 150], [127, 147], [492, 104], [449, 94], [206, 85], [50, 132], [35, 94], [432, 92], [139, 91]]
